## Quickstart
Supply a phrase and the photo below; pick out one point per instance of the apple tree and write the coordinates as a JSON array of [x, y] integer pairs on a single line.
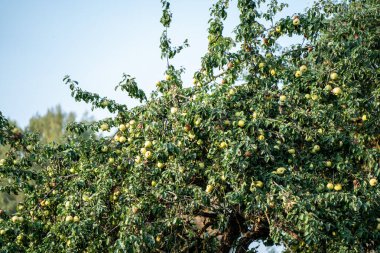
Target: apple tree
[[271, 143]]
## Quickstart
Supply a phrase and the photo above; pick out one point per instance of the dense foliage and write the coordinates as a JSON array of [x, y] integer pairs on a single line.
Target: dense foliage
[[271, 143]]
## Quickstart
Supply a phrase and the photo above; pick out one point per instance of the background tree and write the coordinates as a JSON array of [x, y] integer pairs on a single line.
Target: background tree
[[277, 144]]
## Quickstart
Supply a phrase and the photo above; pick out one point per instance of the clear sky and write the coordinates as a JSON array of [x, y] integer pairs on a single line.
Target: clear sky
[[95, 42]]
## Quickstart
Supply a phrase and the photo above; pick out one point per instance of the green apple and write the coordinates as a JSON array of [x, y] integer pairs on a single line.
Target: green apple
[[2, 162], [261, 65], [148, 144], [330, 186], [153, 183], [201, 165], [160, 165], [143, 151], [111, 160], [292, 151], [76, 219], [328, 87], [259, 184]]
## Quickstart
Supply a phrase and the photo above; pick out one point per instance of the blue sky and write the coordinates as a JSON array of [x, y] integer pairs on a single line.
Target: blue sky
[[95, 42]]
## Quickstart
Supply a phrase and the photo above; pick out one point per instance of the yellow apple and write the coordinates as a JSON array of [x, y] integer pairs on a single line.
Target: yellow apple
[[261, 137], [303, 68], [69, 218], [122, 139], [223, 144], [122, 127], [278, 29], [209, 188], [296, 21], [104, 127], [298, 73], [76, 219], [138, 159], [241, 123], [373, 182], [334, 76], [364, 117], [337, 187], [330, 186], [282, 98], [232, 92], [273, 72], [328, 164], [336, 91], [280, 170], [173, 110], [148, 154], [261, 65], [135, 209], [259, 184]]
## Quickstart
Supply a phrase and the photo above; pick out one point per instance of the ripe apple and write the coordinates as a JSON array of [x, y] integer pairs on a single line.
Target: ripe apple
[[328, 87], [316, 148], [330, 186], [337, 187], [273, 72], [135, 209], [122, 127], [373, 182], [187, 128], [296, 21], [122, 139], [223, 145], [209, 188], [261, 137], [148, 154], [303, 68], [328, 164], [76, 219], [282, 98], [173, 110], [148, 144], [298, 73], [138, 159], [280, 170], [104, 127], [364, 117], [336, 91], [334, 76], [69, 218], [14, 219], [259, 184], [241, 123], [153, 183]]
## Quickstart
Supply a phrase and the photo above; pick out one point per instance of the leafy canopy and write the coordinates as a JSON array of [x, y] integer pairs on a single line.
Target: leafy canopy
[[271, 143]]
